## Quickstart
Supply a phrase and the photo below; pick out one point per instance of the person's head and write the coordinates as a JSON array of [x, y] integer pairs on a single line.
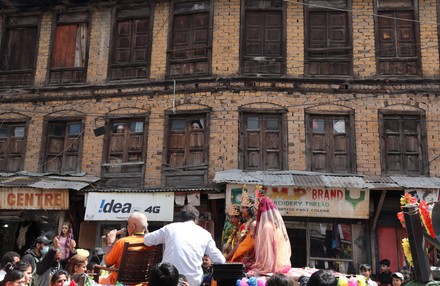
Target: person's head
[[384, 265], [365, 270], [13, 277], [58, 278], [164, 274], [58, 256], [247, 208], [66, 229], [41, 245], [279, 279], [397, 278], [9, 257], [189, 212], [91, 266], [206, 261], [137, 223], [77, 264], [322, 278], [234, 215], [26, 268]]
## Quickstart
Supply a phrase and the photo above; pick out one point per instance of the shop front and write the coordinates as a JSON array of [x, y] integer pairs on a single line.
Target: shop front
[[109, 209], [326, 216], [28, 212]]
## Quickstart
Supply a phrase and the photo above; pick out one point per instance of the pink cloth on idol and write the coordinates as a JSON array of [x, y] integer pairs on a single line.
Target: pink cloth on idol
[[272, 244]]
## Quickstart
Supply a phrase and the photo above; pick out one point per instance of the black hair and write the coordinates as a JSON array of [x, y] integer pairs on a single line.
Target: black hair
[[91, 265], [189, 212], [322, 278], [365, 267], [164, 274], [11, 276], [303, 280], [57, 274], [22, 266], [279, 279], [8, 257]]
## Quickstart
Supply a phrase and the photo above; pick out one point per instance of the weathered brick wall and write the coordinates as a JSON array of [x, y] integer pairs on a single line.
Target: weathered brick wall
[[429, 45], [295, 38], [160, 40], [226, 38], [225, 103], [99, 46], [225, 123], [364, 61], [43, 49]]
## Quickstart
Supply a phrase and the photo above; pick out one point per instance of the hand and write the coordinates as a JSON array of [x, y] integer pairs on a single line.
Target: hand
[[111, 237], [72, 245], [55, 242]]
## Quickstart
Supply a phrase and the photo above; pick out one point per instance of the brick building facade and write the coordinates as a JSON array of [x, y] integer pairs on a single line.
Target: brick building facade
[[291, 66]]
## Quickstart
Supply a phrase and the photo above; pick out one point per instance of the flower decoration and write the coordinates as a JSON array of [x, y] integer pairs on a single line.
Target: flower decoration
[[252, 281], [407, 251], [408, 199], [425, 215], [401, 218]]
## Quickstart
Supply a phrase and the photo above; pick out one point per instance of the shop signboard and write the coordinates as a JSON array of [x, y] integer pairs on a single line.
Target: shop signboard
[[158, 206], [34, 199], [310, 201], [427, 195]]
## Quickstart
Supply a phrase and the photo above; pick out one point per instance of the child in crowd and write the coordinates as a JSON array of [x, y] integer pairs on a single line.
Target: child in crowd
[[365, 270]]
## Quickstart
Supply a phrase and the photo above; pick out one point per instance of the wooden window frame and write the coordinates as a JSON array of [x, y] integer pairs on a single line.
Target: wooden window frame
[[135, 179], [188, 173], [421, 138], [68, 75], [9, 77], [308, 60], [282, 58], [48, 122], [193, 60], [417, 57], [132, 70], [16, 123], [351, 134], [282, 114]]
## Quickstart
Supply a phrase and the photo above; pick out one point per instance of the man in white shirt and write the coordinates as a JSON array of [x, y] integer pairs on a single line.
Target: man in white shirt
[[185, 243]]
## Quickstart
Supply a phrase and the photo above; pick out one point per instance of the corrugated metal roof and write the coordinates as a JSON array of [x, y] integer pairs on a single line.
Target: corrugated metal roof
[[417, 182], [343, 182], [59, 185], [289, 178], [315, 179], [307, 181], [151, 190], [381, 183], [19, 182]]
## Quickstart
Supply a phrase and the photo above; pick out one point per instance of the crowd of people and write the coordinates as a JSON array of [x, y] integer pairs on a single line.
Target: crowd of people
[[257, 238]]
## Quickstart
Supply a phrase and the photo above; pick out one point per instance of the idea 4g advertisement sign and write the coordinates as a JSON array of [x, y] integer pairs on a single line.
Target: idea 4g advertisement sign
[[119, 206], [310, 201]]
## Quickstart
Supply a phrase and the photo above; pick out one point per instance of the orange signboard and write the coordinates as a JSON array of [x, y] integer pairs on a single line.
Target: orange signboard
[[33, 199]]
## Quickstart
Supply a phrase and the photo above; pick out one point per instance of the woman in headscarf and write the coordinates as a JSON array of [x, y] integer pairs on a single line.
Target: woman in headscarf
[[272, 244]]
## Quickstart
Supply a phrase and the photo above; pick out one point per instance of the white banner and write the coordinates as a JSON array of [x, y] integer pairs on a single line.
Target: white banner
[[157, 206], [310, 201]]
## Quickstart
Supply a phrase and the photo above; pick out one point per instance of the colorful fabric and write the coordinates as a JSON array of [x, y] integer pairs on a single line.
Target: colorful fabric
[[245, 248], [272, 244]]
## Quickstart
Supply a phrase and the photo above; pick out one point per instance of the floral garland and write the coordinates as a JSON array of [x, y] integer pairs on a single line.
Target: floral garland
[[407, 251], [425, 215], [424, 211]]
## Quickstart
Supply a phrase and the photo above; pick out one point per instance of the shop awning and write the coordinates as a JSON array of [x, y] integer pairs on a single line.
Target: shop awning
[[325, 180]]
